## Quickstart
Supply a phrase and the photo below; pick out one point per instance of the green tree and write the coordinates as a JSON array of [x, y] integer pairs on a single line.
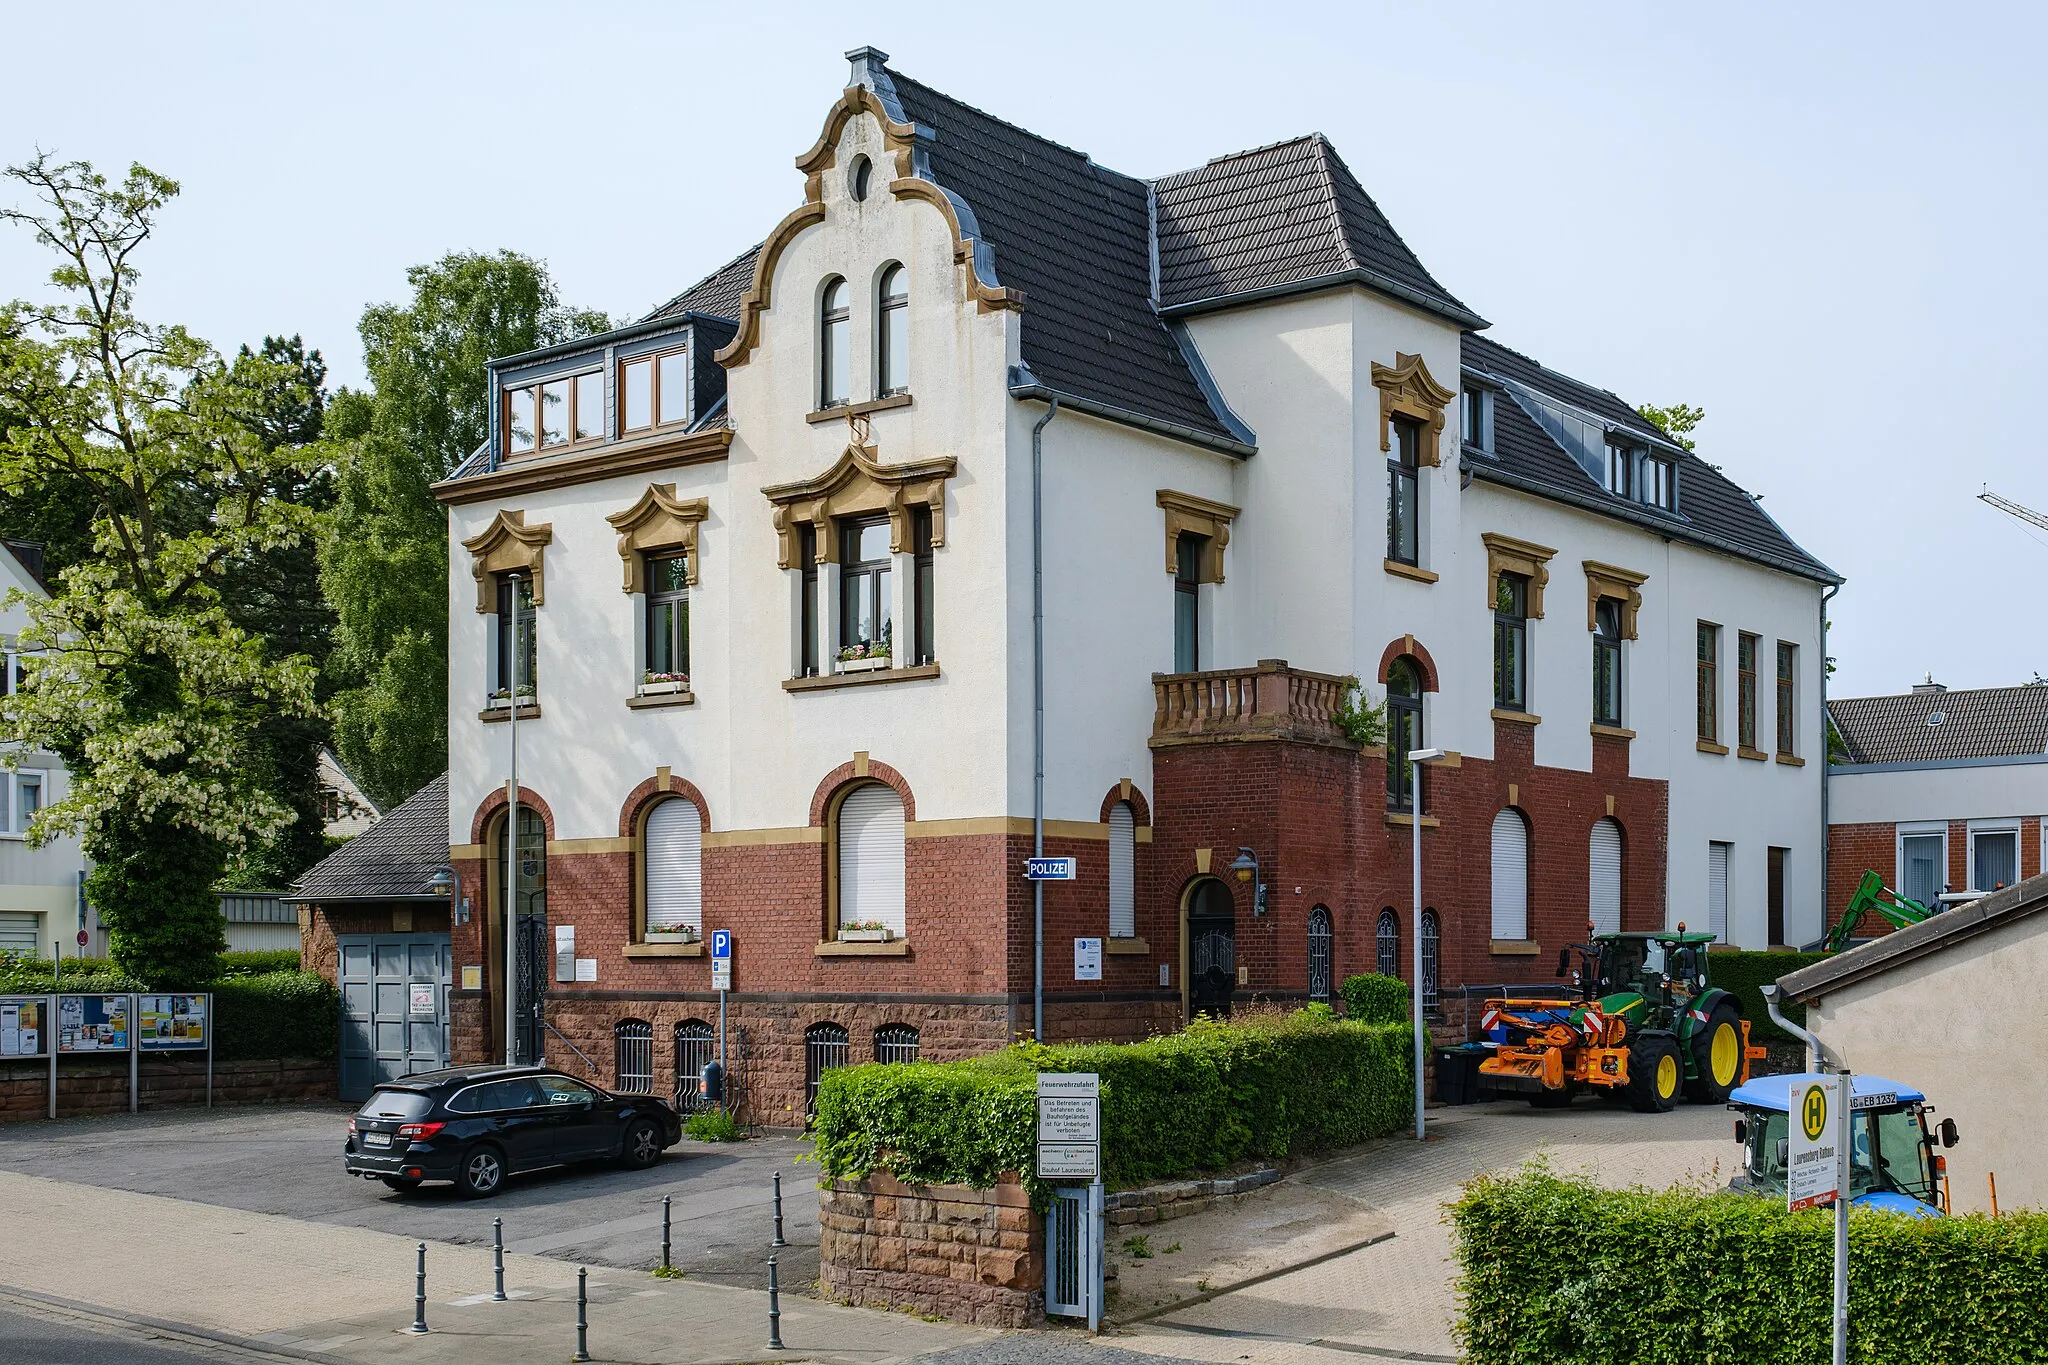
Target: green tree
[[1676, 421], [384, 561], [141, 680]]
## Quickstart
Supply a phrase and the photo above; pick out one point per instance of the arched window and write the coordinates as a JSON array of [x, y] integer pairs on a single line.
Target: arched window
[[633, 1056], [1123, 875], [1404, 733], [870, 838], [533, 963], [1510, 875], [896, 1043], [892, 340], [696, 1044], [1320, 957], [672, 863], [1431, 941], [1603, 860], [825, 1046], [835, 338], [1386, 944]]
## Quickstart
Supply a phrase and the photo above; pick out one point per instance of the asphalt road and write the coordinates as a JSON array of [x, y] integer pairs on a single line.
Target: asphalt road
[[287, 1161]]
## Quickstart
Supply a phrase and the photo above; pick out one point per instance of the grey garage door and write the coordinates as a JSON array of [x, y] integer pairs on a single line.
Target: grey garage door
[[394, 1008]]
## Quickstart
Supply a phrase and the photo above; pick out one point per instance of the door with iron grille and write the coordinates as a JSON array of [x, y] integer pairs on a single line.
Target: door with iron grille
[[1211, 949], [534, 967], [1319, 954]]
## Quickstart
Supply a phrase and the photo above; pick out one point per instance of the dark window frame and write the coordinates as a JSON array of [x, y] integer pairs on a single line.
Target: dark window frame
[[1404, 735], [1187, 602], [807, 601], [892, 311], [923, 605], [1788, 721], [1707, 680], [1620, 474], [678, 633], [830, 377], [1511, 638], [529, 631], [1404, 490], [869, 577], [1660, 483], [1745, 690], [1610, 684]]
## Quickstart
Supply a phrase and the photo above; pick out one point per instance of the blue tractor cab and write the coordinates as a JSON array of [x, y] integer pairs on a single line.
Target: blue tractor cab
[[1893, 1164]]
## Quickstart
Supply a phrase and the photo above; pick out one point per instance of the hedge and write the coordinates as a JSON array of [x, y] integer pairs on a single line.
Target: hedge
[[259, 1014], [1554, 1269], [1196, 1100], [1746, 974], [1373, 999]]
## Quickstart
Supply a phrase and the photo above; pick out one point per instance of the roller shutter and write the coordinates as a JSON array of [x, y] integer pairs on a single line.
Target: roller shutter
[[871, 857], [1123, 862], [1604, 858], [1510, 876], [1717, 891], [18, 932], [675, 866]]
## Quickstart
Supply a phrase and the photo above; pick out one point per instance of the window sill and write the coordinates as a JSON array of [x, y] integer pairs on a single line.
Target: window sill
[[1516, 717], [1402, 820], [1513, 947], [1792, 760], [1611, 732], [827, 681], [839, 412], [1756, 755], [1400, 570], [655, 699], [895, 947], [1125, 947], [663, 949], [502, 713], [1708, 746]]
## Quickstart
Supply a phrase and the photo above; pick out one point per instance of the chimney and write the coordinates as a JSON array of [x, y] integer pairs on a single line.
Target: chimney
[[1930, 688]]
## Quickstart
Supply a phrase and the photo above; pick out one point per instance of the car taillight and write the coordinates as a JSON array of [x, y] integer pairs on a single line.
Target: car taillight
[[419, 1132], [351, 1125]]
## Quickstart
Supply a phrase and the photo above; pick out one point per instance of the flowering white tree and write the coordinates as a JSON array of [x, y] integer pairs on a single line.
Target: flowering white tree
[[135, 674]]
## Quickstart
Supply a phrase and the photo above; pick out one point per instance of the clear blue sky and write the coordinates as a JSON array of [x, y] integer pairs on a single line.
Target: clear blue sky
[[1824, 223]]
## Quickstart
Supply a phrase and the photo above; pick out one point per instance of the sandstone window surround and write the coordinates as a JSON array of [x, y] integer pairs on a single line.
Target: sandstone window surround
[[658, 522], [508, 545], [1621, 585], [1505, 554], [1187, 514], [1408, 390], [860, 484]]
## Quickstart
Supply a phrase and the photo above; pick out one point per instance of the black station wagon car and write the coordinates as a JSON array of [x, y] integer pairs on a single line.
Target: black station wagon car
[[476, 1125]]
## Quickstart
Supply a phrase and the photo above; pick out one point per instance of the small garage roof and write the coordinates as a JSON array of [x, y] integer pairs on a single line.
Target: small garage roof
[[393, 860], [1928, 937]]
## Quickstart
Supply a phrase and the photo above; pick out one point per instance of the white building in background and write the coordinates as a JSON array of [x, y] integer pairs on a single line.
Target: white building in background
[[41, 902]]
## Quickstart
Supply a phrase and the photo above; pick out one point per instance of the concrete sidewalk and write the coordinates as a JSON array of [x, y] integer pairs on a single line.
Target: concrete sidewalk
[[347, 1293]]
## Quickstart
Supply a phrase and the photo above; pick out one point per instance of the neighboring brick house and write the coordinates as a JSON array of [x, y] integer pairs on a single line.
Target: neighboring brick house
[[1937, 791], [771, 554]]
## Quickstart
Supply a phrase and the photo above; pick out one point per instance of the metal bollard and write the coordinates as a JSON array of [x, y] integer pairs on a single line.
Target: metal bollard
[[582, 1316], [664, 1232], [774, 1309], [498, 1260], [778, 1212], [419, 1295]]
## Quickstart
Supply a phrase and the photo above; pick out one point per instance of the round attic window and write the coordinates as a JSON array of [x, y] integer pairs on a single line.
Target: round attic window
[[857, 177], [1936, 717]]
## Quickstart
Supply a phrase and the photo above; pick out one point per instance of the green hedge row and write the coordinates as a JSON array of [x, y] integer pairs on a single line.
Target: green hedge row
[[1555, 1269], [1745, 975], [1374, 999], [1191, 1101], [259, 1014]]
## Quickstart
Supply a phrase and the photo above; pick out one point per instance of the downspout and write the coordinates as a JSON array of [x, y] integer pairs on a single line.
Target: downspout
[[1826, 754], [1038, 716], [1817, 1053]]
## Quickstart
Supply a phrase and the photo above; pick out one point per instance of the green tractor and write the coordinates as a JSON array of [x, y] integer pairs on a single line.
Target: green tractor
[[1645, 1020]]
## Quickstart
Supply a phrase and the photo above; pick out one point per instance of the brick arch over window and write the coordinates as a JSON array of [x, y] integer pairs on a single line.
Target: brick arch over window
[[654, 789], [1412, 647], [847, 773], [489, 808], [1141, 811]]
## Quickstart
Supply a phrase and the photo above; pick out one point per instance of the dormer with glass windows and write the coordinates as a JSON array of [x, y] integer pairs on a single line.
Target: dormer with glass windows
[[1640, 474], [635, 384]]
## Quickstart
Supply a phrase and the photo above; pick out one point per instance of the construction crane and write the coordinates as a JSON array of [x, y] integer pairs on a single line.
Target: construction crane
[[2013, 509]]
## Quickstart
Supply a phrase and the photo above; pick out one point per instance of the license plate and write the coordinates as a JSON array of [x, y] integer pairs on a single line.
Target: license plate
[[376, 1139]]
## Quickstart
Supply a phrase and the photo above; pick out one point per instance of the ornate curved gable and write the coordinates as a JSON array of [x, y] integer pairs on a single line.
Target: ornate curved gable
[[859, 483], [508, 543]]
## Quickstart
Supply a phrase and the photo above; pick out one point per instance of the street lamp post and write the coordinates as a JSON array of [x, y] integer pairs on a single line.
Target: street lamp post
[[1416, 759]]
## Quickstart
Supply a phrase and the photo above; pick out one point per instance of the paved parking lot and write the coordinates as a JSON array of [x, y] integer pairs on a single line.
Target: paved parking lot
[[287, 1161]]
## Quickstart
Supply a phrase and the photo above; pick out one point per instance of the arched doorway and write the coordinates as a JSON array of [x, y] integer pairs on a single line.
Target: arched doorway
[[1209, 948], [535, 954]]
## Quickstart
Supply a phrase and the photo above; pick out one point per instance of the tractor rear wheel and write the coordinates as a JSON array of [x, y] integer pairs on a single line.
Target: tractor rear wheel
[[1655, 1073], [1716, 1056]]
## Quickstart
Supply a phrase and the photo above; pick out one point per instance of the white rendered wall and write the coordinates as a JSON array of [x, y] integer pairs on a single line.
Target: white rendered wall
[[1990, 792], [44, 880]]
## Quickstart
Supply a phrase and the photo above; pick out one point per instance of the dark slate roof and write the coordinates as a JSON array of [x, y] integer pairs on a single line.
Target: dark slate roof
[[718, 293], [1712, 511], [1286, 215], [1915, 941], [393, 859], [1076, 238], [1985, 722]]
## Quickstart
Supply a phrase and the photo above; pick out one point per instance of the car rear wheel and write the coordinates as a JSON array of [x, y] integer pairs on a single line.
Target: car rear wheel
[[481, 1173], [642, 1146], [404, 1184]]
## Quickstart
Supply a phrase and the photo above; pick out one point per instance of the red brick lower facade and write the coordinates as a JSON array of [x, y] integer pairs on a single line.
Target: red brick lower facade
[[1856, 849]]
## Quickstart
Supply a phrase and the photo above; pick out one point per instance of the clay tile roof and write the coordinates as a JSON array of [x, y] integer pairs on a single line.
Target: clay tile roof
[[393, 859], [1931, 727]]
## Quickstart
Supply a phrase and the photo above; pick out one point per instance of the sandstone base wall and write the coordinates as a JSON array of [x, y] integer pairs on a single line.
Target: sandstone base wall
[[97, 1087], [975, 1256]]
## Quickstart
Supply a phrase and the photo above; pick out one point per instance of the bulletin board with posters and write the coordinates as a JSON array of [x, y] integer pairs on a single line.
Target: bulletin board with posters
[[24, 1025], [94, 1023], [173, 1023]]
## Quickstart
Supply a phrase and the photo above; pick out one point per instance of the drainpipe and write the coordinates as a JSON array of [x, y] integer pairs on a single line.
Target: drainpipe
[[1817, 1053], [1038, 717], [1825, 598]]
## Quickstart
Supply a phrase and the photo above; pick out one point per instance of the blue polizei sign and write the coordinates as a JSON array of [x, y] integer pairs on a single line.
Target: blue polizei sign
[[1049, 869], [721, 943]]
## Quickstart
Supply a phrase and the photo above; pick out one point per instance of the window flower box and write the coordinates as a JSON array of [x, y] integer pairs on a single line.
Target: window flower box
[[866, 933], [501, 699], [685, 935], [664, 684], [873, 663]]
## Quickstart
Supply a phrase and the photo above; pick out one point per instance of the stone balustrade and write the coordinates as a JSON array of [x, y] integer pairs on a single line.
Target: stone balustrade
[[1265, 702]]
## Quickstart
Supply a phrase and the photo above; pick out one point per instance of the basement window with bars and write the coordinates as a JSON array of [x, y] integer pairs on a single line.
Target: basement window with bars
[[633, 1056], [896, 1043]]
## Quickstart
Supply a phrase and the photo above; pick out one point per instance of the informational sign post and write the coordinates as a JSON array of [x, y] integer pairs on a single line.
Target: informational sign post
[[1070, 1148], [1087, 959], [173, 1023], [721, 981], [1811, 1159]]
